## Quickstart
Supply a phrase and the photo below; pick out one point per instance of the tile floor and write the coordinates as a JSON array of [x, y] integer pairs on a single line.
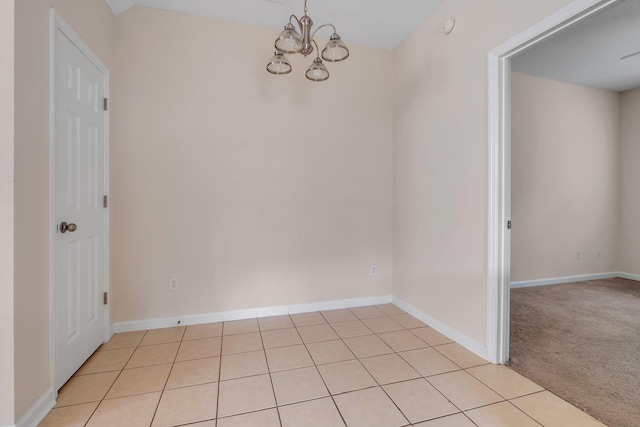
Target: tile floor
[[362, 367]]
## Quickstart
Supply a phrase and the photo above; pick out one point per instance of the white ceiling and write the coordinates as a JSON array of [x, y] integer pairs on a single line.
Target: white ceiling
[[588, 53], [377, 23]]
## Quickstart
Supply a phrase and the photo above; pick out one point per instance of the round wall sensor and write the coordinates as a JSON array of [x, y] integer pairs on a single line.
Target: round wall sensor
[[448, 26]]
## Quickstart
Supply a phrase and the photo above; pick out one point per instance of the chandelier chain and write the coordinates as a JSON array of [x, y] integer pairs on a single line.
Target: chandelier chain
[[305, 7]]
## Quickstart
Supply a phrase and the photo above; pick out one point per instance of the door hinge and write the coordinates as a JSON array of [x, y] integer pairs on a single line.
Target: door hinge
[[508, 225], [105, 298], [105, 201], [106, 104]]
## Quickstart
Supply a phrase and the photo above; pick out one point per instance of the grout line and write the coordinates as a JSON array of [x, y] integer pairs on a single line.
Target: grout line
[[314, 365]]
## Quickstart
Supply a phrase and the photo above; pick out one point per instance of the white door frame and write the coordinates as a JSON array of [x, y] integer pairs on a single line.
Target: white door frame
[[57, 23], [499, 166]]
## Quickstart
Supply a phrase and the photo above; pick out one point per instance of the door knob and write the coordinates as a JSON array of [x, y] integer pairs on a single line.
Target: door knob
[[64, 227]]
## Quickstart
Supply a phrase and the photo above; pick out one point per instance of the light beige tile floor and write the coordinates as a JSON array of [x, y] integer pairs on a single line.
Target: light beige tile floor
[[370, 366]]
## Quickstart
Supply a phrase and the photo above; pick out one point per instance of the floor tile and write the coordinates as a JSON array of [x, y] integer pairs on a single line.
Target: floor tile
[[274, 323], [402, 340], [367, 312], [268, 418], [187, 405], [382, 324], [157, 354], [245, 395], [317, 333], [369, 408], [460, 355], [163, 336], [236, 327], [123, 340], [206, 330], [430, 336], [336, 316], [329, 352], [140, 380], [69, 416], [390, 309], [314, 413], [132, 411], [419, 401], [243, 365], [504, 381], [346, 376], [199, 349], [281, 338], [307, 319], [458, 420], [194, 372], [241, 343], [354, 328], [85, 388], [367, 346], [551, 411], [298, 385], [389, 368], [502, 414], [463, 390], [210, 423], [284, 358], [105, 361], [429, 362], [408, 321]]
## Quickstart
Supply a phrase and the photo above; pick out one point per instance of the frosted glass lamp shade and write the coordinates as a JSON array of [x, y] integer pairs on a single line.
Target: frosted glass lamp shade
[[289, 41], [335, 50], [279, 64], [317, 71]]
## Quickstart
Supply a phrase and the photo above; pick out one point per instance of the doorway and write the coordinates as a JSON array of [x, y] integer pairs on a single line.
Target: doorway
[[499, 166], [79, 244]]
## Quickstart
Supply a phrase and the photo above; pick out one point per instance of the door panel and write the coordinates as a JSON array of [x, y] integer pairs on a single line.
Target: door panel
[[79, 170]]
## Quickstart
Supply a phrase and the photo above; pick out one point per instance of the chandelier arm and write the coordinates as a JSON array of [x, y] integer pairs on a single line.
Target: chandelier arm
[[297, 20], [317, 49], [322, 26]]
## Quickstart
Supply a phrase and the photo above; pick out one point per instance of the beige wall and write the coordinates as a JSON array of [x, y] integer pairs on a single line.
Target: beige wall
[[252, 190], [564, 196], [440, 138], [6, 211], [629, 227], [93, 20]]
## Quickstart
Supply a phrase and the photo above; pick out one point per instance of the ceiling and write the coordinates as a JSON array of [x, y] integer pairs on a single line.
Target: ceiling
[[376, 23], [588, 53]]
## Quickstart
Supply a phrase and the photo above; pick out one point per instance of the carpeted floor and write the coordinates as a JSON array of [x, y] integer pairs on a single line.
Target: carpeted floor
[[581, 341]]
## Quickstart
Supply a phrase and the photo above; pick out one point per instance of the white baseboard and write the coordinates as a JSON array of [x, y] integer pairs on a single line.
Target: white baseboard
[[141, 325], [38, 410], [463, 340], [629, 276], [566, 279]]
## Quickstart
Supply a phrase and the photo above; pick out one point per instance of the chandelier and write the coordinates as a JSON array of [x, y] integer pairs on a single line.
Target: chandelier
[[290, 41]]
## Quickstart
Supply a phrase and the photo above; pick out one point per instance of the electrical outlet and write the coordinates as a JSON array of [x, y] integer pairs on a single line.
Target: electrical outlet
[[600, 253], [173, 285], [579, 255], [374, 269]]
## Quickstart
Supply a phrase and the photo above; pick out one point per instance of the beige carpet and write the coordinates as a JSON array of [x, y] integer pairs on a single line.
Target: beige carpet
[[581, 341]]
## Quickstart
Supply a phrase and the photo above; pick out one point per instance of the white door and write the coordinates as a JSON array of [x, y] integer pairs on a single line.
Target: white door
[[78, 190]]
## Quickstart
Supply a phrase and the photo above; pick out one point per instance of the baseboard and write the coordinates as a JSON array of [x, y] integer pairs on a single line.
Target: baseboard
[[566, 279], [629, 276], [38, 410], [468, 343], [141, 325]]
